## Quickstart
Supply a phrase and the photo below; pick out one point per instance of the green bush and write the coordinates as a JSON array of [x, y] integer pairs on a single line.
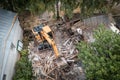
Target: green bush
[[101, 59], [23, 69]]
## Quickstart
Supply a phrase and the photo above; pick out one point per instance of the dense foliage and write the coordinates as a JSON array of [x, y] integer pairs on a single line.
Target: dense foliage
[[23, 69], [101, 58], [69, 5], [38, 6], [89, 7], [34, 6]]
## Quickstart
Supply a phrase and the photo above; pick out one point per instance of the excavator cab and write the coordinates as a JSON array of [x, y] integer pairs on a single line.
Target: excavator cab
[[36, 31], [43, 44]]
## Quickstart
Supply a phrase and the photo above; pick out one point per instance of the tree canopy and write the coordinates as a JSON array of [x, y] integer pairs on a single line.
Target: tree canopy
[[101, 59], [89, 7], [34, 6], [38, 6]]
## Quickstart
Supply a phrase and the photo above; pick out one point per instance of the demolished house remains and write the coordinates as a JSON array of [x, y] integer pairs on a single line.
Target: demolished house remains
[[66, 35]]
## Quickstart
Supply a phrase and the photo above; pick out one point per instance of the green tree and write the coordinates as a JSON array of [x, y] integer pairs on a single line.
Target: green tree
[[35, 6], [89, 7], [69, 5], [101, 59], [14, 5]]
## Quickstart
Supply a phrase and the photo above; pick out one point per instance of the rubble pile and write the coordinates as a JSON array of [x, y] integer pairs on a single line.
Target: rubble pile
[[47, 67]]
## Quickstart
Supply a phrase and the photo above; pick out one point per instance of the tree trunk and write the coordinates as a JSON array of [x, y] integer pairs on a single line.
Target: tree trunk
[[57, 9]]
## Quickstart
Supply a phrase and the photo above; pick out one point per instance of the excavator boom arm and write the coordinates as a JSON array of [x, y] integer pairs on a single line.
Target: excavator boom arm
[[51, 42]]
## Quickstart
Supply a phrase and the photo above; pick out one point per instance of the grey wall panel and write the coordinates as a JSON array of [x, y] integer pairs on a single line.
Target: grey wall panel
[[8, 56]]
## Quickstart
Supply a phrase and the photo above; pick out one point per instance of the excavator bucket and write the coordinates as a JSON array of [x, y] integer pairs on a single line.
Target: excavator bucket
[[61, 62]]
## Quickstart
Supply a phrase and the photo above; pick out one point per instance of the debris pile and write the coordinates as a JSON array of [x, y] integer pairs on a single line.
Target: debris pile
[[47, 67]]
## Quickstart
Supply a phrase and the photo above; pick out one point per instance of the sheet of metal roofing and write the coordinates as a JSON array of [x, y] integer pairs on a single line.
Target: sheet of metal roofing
[[6, 19]]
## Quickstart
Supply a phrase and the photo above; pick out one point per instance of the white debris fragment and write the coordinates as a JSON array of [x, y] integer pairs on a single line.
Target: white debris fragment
[[114, 29], [36, 59], [79, 31]]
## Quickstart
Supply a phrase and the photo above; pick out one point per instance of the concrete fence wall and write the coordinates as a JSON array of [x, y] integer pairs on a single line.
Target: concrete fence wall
[[96, 20]]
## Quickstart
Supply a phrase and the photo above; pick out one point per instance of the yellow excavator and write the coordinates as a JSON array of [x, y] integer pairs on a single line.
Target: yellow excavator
[[43, 34]]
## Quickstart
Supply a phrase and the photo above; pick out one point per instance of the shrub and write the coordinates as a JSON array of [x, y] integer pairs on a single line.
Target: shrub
[[23, 69], [101, 59]]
